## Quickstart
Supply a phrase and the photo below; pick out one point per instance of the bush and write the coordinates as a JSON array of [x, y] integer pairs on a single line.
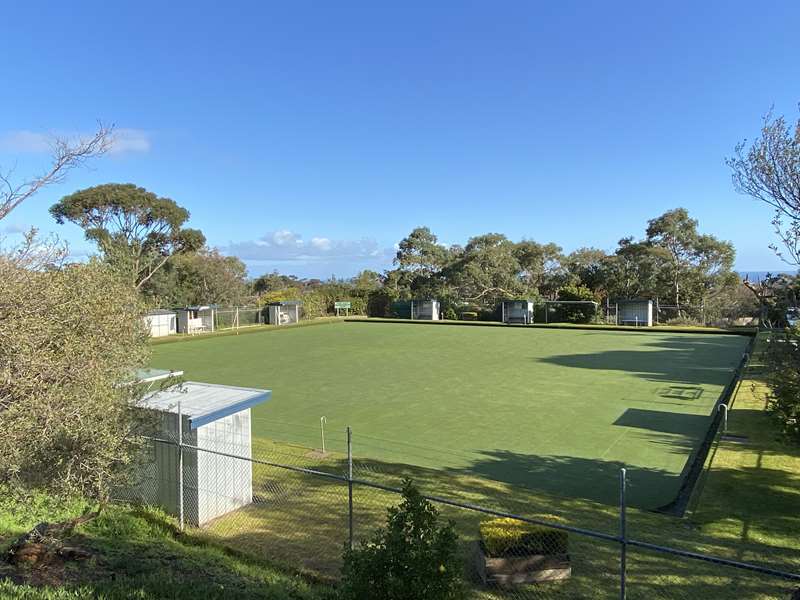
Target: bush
[[449, 314], [315, 305], [783, 376], [379, 303], [510, 537], [68, 337], [469, 315], [413, 557], [572, 313]]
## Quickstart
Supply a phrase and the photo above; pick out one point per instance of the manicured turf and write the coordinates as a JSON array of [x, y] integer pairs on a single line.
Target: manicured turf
[[554, 410]]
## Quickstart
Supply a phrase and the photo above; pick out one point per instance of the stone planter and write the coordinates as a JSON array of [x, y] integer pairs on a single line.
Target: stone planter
[[515, 570]]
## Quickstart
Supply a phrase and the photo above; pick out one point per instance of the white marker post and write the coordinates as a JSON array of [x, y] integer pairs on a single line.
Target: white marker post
[[322, 421]]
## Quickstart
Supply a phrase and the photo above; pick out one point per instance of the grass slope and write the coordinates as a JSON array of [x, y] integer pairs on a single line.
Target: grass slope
[[138, 553], [555, 410]]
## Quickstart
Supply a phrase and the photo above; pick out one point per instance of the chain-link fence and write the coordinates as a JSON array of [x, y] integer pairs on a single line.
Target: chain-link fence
[[300, 507], [237, 316]]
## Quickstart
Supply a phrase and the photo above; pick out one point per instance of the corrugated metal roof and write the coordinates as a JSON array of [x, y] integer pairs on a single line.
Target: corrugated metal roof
[[205, 403], [160, 311]]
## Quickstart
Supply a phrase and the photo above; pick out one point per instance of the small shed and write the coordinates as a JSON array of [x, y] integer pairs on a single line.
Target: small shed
[[638, 312], [284, 313], [517, 311], [215, 420], [417, 310], [196, 319], [161, 322]]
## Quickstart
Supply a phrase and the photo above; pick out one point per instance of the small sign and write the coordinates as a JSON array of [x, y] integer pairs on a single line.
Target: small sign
[[341, 305]]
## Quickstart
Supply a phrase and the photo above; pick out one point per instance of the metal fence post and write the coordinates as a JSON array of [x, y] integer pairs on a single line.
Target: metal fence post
[[350, 486], [623, 534], [724, 409], [180, 465]]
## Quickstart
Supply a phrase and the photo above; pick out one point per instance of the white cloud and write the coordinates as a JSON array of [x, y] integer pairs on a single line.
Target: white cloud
[[321, 243], [284, 245], [23, 141], [130, 140]]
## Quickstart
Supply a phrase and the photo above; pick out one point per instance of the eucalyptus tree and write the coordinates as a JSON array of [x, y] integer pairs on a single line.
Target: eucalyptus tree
[[136, 230]]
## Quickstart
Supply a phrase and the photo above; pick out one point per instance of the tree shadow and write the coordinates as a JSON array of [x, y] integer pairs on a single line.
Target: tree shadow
[[679, 361]]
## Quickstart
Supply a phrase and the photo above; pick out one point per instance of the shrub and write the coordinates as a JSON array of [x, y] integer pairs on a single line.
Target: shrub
[[510, 537], [379, 303], [68, 337], [315, 305], [413, 557], [575, 313], [469, 315], [783, 376], [450, 314]]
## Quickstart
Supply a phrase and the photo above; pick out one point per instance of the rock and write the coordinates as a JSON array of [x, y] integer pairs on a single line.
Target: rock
[[29, 553]]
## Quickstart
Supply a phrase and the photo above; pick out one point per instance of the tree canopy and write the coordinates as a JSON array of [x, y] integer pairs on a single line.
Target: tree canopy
[[136, 230]]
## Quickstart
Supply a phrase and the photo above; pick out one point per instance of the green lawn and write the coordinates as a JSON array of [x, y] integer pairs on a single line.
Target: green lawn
[[554, 410]]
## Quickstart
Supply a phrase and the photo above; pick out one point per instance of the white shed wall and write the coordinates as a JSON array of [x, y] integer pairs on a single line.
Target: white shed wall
[[636, 313], [224, 483], [161, 325], [426, 310]]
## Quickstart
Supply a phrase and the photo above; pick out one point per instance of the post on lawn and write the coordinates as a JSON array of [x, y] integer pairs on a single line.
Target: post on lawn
[[350, 485], [623, 534], [180, 466]]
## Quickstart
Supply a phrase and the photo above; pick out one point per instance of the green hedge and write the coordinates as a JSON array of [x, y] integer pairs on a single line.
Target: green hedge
[[510, 537]]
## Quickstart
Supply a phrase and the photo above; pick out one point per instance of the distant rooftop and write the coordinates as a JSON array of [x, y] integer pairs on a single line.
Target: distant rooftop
[[205, 403]]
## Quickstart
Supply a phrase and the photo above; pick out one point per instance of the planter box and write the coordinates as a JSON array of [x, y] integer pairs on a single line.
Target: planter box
[[515, 570]]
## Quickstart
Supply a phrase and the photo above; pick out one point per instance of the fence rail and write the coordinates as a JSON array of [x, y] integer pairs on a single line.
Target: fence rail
[[303, 516]]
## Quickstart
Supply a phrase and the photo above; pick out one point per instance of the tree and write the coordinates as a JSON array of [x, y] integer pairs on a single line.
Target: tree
[[586, 265], [68, 337], [769, 170], [136, 230], [413, 557], [632, 270], [66, 155], [420, 259], [486, 271], [203, 277], [541, 267], [270, 282], [690, 259]]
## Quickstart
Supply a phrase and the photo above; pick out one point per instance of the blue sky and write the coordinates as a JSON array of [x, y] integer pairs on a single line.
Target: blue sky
[[311, 136]]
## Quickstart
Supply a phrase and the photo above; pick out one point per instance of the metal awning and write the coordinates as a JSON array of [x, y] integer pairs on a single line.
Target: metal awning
[[205, 403]]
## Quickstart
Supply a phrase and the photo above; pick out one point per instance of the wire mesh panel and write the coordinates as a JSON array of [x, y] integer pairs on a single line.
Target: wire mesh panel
[[295, 520], [231, 318]]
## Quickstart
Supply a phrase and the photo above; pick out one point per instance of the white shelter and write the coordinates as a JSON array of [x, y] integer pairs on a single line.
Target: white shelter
[[196, 319], [425, 310], [284, 313], [161, 322], [215, 423], [517, 311], [636, 312]]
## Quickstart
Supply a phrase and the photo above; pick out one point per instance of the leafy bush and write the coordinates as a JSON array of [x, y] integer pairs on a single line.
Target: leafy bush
[[783, 363], [510, 537], [572, 313], [413, 557], [379, 303], [469, 315], [449, 313], [68, 337], [315, 305]]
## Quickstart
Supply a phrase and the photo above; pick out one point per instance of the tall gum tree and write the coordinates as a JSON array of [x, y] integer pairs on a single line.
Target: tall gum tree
[[136, 230]]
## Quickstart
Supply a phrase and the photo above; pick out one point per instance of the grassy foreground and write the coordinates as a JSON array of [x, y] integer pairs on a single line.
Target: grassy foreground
[[137, 553]]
